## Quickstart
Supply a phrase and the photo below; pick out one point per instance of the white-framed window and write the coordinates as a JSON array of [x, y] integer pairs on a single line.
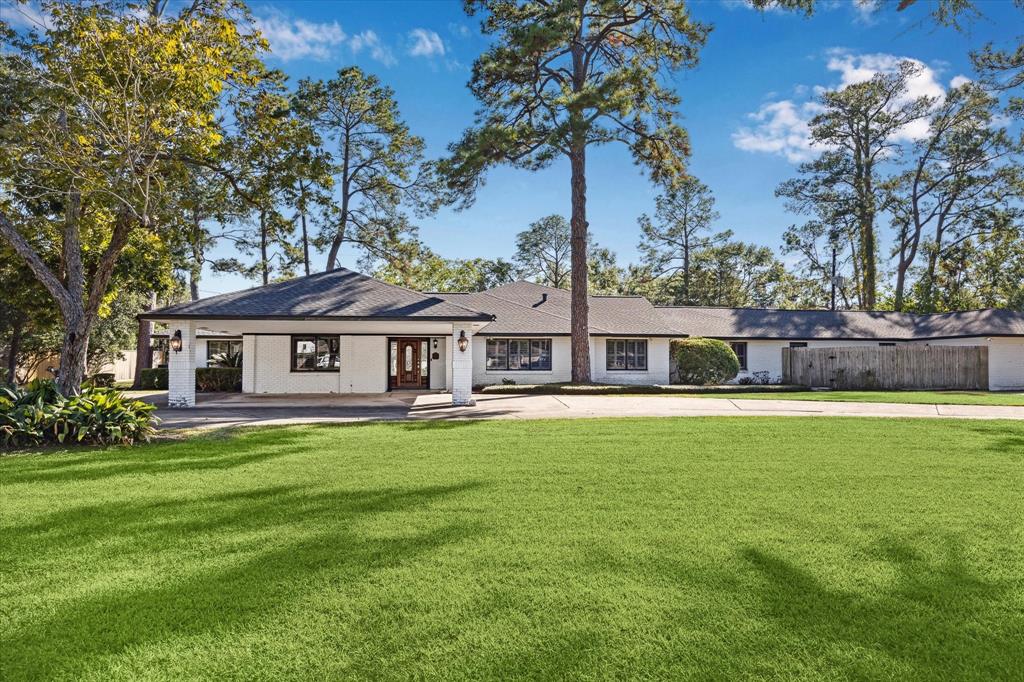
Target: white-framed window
[[519, 355], [626, 355], [740, 349], [316, 354]]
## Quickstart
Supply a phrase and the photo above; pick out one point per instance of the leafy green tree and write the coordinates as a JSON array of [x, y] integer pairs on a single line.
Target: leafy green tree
[[826, 247], [267, 157], [543, 252], [543, 255], [681, 227], [561, 77], [859, 129], [738, 274], [108, 110], [604, 275], [377, 163], [964, 168], [420, 268]]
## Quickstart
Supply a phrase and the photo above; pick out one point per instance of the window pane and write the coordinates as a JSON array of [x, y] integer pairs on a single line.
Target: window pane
[[424, 358], [305, 354], [407, 362], [545, 354], [394, 358], [740, 349], [497, 354]]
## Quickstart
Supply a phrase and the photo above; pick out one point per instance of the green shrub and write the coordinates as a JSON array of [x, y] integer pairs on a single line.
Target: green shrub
[[701, 362], [39, 414], [218, 379], [154, 378], [102, 380]]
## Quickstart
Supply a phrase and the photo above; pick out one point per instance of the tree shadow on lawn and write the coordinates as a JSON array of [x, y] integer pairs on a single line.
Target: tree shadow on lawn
[[216, 451], [1004, 437], [938, 620], [229, 578]]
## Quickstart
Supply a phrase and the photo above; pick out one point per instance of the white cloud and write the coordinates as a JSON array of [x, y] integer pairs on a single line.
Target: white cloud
[[957, 81], [425, 43], [368, 40], [860, 68], [782, 127], [298, 39]]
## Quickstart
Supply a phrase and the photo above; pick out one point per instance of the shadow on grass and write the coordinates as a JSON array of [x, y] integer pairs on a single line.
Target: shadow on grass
[[938, 620], [215, 451], [1003, 437], [246, 558]]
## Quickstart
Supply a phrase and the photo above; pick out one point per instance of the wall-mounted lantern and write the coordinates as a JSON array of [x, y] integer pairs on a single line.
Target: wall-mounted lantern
[[176, 341], [463, 341], [435, 344]]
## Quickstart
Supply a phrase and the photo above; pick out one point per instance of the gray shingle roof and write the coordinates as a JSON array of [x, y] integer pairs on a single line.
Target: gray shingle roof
[[524, 308], [754, 323], [337, 294]]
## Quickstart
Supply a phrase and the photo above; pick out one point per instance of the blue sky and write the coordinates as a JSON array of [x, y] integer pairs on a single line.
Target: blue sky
[[744, 105]]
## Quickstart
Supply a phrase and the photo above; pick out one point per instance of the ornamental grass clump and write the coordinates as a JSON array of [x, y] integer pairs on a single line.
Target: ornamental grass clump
[[39, 414]]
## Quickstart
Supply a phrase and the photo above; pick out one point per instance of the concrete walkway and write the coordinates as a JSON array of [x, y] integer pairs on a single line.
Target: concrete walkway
[[236, 409]]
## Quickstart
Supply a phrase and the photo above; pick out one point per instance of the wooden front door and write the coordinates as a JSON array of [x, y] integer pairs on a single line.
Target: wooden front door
[[408, 363]]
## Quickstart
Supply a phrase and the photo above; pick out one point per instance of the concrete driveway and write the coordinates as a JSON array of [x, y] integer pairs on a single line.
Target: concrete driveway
[[236, 409]]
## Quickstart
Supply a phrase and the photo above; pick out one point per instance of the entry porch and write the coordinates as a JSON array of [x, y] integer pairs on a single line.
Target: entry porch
[[317, 356]]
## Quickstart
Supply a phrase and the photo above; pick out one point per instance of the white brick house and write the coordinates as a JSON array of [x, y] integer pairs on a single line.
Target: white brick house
[[342, 332]]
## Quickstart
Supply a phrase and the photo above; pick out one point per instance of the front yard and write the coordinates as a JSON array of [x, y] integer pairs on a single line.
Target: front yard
[[713, 547]]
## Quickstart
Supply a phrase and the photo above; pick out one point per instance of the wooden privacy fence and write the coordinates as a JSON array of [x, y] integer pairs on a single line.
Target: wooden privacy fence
[[887, 367]]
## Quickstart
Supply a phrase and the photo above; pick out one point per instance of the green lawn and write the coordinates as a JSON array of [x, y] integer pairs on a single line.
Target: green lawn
[[915, 397], [651, 548]]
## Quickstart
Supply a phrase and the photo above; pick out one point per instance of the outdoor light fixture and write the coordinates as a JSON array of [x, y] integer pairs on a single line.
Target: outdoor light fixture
[[435, 344], [463, 341], [176, 341]]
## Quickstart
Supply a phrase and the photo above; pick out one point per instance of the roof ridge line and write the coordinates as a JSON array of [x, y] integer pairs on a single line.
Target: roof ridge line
[[413, 291], [544, 312]]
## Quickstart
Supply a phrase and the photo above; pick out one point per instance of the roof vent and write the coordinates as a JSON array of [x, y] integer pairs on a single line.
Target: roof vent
[[543, 300]]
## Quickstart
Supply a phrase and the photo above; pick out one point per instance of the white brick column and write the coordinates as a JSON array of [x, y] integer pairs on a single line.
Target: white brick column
[[462, 367], [248, 363], [181, 367]]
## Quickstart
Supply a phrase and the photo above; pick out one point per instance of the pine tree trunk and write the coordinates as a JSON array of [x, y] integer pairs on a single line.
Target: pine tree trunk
[[305, 233], [901, 283], [579, 325], [264, 261], [144, 345]]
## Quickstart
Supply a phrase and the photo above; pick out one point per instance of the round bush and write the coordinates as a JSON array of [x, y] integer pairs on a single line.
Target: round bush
[[701, 361]]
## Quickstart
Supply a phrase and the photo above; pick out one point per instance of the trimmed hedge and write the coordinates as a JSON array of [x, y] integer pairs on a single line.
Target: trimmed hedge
[[154, 379], [39, 414], [703, 361], [102, 380], [627, 389], [218, 379]]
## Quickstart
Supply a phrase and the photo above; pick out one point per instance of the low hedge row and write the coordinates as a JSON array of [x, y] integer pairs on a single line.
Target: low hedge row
[[218, 379], [208, 379], [154, 379], [617, 389]]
